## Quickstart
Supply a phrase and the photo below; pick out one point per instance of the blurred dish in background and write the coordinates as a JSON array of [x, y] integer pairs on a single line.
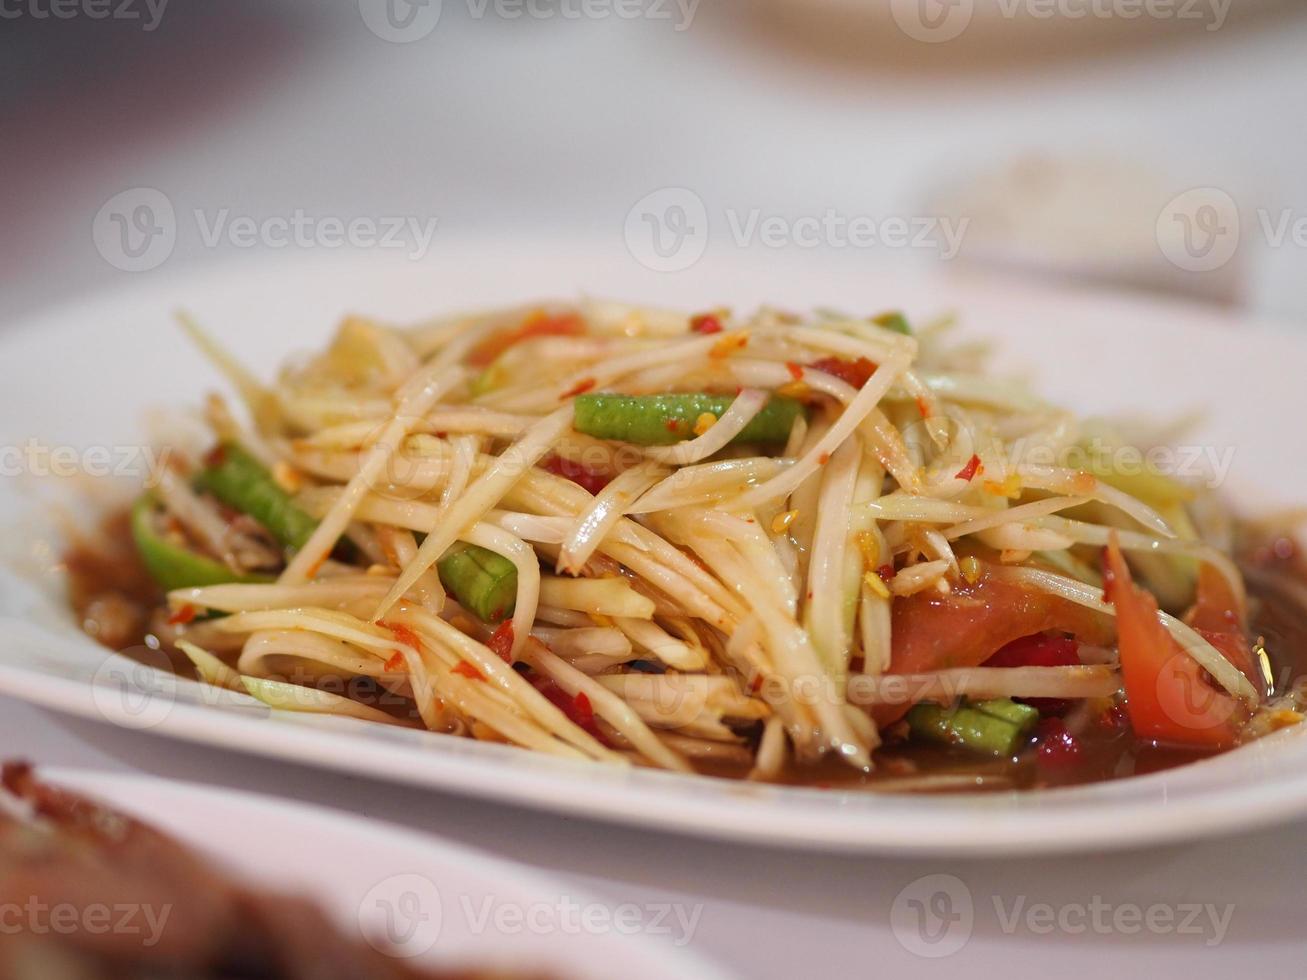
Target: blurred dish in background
[[1100, 220], [225, 884], [953, 34]]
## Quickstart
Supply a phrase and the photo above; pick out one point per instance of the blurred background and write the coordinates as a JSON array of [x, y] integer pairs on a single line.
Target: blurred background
[[1146, 144]]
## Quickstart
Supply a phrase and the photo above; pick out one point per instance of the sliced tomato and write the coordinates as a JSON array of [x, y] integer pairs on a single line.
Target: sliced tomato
[[579, 473], [1216, 608], [1040, 650], [855, 372], [1168, 696], [1215, 616], [501, 641], [537, 324], [973, 622]]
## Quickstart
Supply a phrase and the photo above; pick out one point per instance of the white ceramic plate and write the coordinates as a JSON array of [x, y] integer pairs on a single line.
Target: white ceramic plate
[[87, 375], [429, 901]]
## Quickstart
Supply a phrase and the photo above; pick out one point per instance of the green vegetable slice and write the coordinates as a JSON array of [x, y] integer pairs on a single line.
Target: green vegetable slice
[[663, 420], [1021, 715], [241, 481], [996, 727], [175, 566], [483, 582], [895, 321]]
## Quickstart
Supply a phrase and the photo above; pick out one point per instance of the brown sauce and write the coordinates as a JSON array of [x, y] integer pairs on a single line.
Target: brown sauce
[[118, 605], [109, 589]]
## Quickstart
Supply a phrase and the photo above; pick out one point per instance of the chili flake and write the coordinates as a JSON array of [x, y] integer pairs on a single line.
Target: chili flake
[[973, 467], [501, 641], [729, 344], [705, 323], [468, 670], [580, 388], [185, 614]]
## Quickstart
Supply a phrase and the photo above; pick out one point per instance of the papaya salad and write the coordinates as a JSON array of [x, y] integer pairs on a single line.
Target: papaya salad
[[814, 548]]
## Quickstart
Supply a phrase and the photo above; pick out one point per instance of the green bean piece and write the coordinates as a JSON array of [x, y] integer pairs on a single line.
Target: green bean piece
[[1021, 715], [172, 565], [989, 732], [242, 482], [662, 420], [483, 582]]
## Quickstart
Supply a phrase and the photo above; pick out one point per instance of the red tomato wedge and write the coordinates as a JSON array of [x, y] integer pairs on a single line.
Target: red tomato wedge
[[973, 622], [1215, 616], [501, 641], [1040, 650], [537, 324], [854, 372], [1168, 695]]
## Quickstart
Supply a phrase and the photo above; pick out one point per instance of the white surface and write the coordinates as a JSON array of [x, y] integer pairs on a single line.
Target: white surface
[[766, 913], [439, 904], [560, 126], [264, 314]]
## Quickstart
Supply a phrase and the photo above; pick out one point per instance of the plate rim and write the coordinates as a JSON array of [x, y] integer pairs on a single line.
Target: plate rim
[[821, 828], [1079, 830]]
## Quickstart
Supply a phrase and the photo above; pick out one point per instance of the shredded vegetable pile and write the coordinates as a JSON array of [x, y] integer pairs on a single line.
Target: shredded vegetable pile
[[630, 535]]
